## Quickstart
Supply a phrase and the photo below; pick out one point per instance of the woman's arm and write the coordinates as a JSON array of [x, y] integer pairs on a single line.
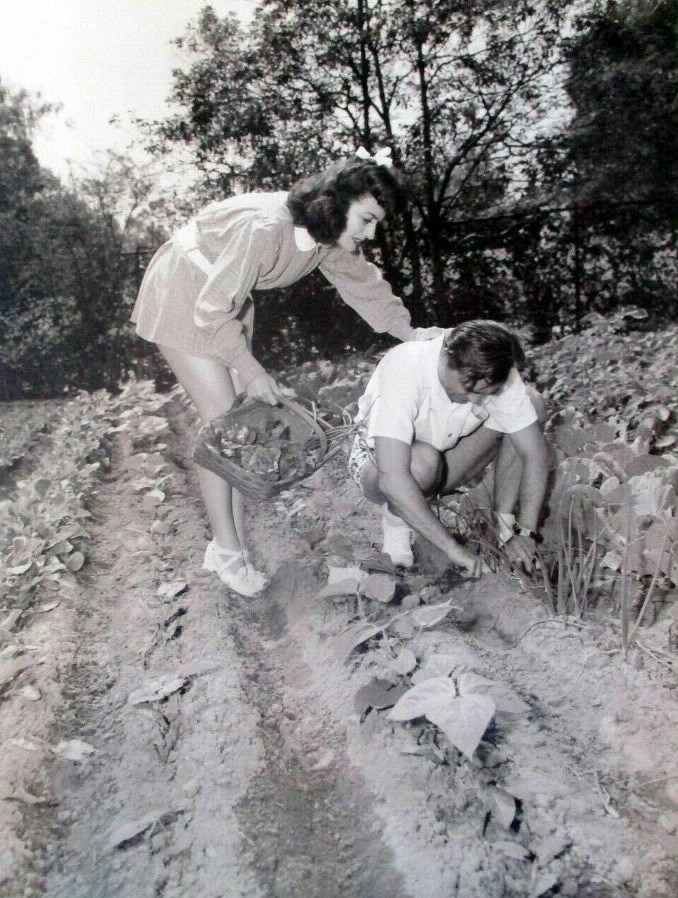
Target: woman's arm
[[362, 286]]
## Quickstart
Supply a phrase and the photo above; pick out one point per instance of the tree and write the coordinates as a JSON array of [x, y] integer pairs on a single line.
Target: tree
[[623, 84], [65, 285], [457, 90], [615, 166], [21, 183]]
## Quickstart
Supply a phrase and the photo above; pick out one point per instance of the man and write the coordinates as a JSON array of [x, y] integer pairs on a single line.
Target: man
[[433, 416]]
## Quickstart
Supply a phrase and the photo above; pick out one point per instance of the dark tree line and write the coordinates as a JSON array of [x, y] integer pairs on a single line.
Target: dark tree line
[[65, 260]]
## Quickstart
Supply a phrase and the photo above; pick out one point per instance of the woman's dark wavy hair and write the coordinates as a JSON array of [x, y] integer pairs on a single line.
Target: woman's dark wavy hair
[[320, 202], [483, 350]]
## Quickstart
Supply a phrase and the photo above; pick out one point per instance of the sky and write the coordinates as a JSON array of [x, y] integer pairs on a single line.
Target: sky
[[98, 59]]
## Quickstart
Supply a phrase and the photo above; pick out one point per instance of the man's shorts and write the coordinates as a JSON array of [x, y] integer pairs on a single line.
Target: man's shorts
[[360, 453]]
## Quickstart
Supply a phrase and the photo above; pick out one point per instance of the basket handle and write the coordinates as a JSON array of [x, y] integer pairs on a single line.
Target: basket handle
[[309, 419]]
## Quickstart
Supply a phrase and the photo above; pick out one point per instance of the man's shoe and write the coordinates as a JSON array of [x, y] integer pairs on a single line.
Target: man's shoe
[[397, 539], [244, 579]]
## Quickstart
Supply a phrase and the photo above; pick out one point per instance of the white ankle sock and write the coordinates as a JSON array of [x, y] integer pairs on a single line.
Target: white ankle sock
[[505, 521], [397, 538]]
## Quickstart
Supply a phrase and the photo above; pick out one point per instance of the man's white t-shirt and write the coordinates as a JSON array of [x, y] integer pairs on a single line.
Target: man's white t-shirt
[[404, 400]]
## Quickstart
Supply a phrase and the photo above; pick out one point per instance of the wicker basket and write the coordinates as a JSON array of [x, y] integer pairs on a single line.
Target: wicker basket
[[268, 448]]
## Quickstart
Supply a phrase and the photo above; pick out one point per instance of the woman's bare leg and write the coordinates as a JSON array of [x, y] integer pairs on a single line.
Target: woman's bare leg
[[209, 385]]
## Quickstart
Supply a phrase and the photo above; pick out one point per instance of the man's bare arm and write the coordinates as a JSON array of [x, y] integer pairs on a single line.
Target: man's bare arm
[[406, 499], [531, 447]]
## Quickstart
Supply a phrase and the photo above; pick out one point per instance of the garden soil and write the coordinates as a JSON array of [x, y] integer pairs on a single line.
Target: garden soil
[[162, 736]]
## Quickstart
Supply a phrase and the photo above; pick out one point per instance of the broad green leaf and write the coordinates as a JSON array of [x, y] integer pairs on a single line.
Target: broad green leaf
[[346, 587], [405, 662], [511, 849], [501, 805], [650, 494], [543, 883], [464, 720], [609, 487], [74, 750], [157, 689], [569, 439], [621, 452], [380, 562], [403, 627], [612, 560], [379, 587], [355, 635], [378, 694], [430, 615], [587, 492], [601, 433], [11, 669], [506, 700], [440, 666], [605, 464], [75, 561], [172, 588], [19, 568], [642, 464], [339, 574], [417, 700]]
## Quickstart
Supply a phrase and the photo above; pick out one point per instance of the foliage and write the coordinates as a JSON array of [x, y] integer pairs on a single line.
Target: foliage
[[611, 528], [66, 256], [613, 507], [43, 528], [623, 83], [454, 88], [613, 521], [21, 183], [620, 371], [611, 543]]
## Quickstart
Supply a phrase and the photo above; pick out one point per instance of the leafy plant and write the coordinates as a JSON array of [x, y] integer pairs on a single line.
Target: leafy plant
[[611, 528], [453, 705], [43, 526]]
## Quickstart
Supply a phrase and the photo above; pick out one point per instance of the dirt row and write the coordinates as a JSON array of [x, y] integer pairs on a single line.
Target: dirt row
[[214, 745]]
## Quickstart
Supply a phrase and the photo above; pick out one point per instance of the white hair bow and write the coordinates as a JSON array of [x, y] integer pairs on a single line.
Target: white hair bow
[[381, 157]]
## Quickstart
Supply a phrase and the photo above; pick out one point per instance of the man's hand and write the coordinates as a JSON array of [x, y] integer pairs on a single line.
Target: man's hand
[[426, 333], [265, 389], [472, 566], [521, 550]]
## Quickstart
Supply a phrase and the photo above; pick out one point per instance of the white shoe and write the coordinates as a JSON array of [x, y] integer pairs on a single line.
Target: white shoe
[[244, 580], [397, 539], [255, 575]]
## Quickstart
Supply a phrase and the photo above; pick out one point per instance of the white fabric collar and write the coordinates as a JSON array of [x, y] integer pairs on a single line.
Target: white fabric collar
[[305, 243]]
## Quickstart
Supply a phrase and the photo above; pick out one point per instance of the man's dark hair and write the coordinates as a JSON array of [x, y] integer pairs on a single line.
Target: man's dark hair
[[483, 350], [320, 202]]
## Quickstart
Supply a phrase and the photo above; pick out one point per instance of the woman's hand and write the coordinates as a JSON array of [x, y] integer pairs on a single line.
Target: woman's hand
[[265, 389], [426, 333]]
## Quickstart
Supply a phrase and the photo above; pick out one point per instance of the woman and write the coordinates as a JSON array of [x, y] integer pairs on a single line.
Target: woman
[[195, 303]]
